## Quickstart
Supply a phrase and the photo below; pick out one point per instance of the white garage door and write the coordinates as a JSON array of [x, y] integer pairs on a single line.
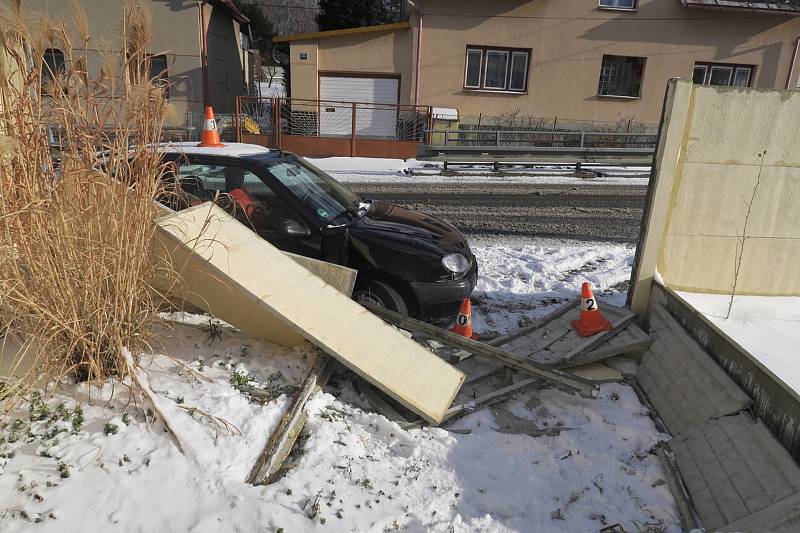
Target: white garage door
[[371, 121]]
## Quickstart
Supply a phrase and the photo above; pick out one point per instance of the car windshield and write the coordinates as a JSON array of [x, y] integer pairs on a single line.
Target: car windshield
[[327, 198]]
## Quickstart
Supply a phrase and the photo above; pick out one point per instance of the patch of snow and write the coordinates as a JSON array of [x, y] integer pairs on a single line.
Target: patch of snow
[[228, 150], [766, 326], [587, 465], [521, 279]]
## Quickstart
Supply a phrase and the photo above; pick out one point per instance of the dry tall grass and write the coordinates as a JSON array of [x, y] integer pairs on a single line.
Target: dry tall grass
[[75, 275]]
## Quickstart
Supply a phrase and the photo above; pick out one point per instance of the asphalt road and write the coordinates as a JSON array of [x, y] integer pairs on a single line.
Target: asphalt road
[[581, 211]]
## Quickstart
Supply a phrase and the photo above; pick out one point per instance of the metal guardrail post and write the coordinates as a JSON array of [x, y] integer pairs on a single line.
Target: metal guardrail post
[[353, 131], [583, 140], [497, 138]]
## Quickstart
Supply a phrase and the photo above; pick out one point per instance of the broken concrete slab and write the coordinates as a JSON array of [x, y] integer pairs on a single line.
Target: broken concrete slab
[[734, 469], [552, 340], [682, 381], [234, 274]]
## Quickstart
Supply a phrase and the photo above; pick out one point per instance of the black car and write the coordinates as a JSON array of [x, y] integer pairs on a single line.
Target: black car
[[407, 261]]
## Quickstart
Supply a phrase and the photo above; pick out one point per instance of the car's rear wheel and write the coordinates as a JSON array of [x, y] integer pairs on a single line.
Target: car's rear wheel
[[378, 293]]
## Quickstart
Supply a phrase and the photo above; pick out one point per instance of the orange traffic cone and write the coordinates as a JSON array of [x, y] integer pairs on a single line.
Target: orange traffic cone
[[210, 136], [590, 321], [463, 325]]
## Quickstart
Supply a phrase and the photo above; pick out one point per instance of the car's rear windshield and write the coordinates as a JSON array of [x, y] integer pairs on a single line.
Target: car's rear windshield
[[326, 197]]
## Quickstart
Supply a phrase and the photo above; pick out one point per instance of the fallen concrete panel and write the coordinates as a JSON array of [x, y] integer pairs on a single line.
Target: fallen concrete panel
[[736, 472], [682, 381], [340, 277], [237, 276]]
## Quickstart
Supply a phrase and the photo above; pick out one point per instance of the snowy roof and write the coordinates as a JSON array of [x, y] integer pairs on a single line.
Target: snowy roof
[[775, 6], [228, 150]]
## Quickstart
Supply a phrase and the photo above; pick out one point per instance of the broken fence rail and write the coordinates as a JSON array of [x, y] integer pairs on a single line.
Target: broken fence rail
[[582, 386]]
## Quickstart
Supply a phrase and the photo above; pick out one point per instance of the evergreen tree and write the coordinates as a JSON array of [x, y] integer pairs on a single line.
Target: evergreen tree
[[339, 14]]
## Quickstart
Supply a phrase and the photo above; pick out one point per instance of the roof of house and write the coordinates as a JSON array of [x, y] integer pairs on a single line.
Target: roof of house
[[777, 6], [346, 31], [232, 8]]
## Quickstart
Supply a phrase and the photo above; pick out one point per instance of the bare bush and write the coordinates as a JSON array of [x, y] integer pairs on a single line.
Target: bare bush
[[79, 175]]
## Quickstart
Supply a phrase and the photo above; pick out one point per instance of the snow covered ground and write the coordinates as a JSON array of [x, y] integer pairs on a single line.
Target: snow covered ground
[[767, 327], [543, 461], [546, 461], [375, 170], [521, 279]]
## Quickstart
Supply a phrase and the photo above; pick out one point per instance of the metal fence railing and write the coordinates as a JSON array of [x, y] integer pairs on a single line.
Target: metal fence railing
[[542, 139], [331, 119]]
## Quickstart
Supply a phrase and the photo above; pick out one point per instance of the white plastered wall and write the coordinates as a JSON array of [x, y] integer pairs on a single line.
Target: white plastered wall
[[725, 209]]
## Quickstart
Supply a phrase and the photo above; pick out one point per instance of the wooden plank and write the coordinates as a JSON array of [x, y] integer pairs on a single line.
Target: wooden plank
[[378, 402], [565, 379], [489, 398], [283, 438]]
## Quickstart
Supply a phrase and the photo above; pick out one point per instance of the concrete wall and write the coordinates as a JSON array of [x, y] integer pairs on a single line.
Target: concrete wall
[[723, 203], [226, 64], [568, 39], [304, 71]]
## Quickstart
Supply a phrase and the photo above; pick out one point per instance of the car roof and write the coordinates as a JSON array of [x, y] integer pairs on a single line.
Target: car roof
[[239, 150]]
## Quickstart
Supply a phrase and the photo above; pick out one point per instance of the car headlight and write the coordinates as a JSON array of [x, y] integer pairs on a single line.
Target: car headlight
[[455, 263]]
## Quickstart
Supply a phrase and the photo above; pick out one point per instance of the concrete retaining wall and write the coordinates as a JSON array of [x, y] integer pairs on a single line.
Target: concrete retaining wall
[[726, 180]]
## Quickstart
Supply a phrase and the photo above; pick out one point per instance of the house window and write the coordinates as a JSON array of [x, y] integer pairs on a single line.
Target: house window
[[497, 69], [157, 71], [53, 65], [618, 4], [723, 74], [472, 78], [621, 76]]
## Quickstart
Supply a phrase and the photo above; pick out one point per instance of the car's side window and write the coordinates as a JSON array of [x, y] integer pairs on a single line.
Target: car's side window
[[246, 196]]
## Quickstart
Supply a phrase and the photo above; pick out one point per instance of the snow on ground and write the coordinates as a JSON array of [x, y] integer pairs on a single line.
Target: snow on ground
[[521, 279], [766, 326], [376, 170], [544, 461]]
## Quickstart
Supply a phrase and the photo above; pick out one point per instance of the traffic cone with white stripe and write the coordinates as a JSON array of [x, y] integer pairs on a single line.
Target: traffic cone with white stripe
[[463, 325], [210, 136], [590, 321]]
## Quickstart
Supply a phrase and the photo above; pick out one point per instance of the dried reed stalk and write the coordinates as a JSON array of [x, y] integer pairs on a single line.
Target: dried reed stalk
[[76, 278]]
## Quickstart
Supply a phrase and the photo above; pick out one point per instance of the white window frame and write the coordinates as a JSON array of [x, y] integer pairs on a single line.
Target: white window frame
[[705, 72], [526, 61], [504, 87], [614, 4], [733, 67], [736, 73], [480, 68], [730, 70]]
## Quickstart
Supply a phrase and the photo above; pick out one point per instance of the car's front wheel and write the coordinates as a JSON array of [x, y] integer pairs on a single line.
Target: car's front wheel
[[378, 293]]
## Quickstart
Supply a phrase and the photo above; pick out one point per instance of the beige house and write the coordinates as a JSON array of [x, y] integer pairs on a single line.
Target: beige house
[[181, 29], [598, 60]]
